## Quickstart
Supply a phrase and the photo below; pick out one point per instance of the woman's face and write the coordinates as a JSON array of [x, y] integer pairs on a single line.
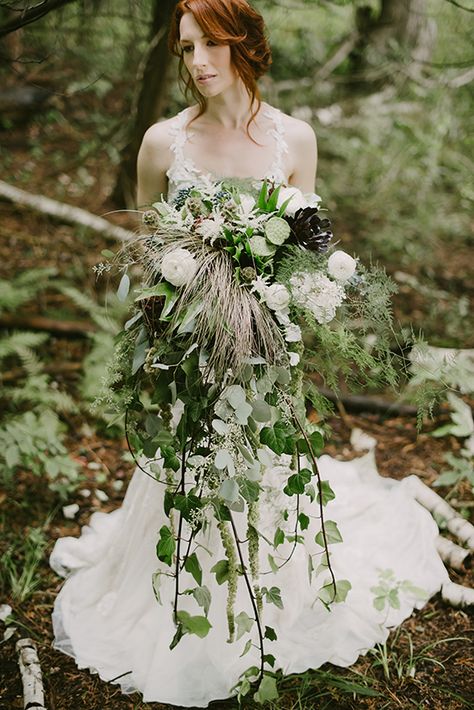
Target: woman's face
[[209, 64]]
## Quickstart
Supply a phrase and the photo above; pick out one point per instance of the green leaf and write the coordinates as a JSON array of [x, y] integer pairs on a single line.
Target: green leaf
[[170, 459], [274, 438], [186, 504], [166, 545], [221, 570], [244, 624], [272, 563], [270, 633], [161, 289], [108, 253], [177, 637], [123, 288], [261, 411], [325, 493], [303, 521], [156, 582], [193, 567], [394, 599], [332, 534], [326, 593], [247, 648], [273, 596], [261, 246], [297, 482], [268, 658], [198, 625], [267, 690], [279, 537], [249, 490], [203, 597]]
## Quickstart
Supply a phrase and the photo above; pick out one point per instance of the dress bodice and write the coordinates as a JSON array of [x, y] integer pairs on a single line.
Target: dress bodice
[[183, 172]]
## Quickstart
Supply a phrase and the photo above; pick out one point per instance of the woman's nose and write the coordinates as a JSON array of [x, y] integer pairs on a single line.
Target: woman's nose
[[200, 56]]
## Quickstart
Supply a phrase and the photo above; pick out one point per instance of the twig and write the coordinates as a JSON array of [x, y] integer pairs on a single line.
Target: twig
[[457, 595], [48, 324], [453, 555]]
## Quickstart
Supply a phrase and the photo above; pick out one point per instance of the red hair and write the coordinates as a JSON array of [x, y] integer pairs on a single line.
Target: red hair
[[232, 22]]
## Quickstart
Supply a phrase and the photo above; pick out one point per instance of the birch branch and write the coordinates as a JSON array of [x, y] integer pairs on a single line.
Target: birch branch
[[64, 212], [457, 595], [31, 677], [453, 555], [456, 524]]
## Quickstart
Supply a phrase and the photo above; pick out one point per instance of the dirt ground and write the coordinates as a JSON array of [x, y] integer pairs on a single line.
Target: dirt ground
[[444, 672]]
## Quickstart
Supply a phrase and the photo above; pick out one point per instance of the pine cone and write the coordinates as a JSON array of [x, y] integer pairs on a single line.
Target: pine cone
[[309, 230]]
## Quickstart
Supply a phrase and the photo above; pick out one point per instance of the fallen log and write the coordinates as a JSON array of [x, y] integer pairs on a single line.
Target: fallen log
[[457, 595], [453, 555], [369, 403], [31, 677], [48, 324], [63, 212], [456, 524]]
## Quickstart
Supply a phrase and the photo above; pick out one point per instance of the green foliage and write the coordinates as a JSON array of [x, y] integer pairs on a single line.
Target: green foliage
[[19, 565]]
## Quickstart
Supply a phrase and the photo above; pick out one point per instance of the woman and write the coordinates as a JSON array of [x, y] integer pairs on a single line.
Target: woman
[[106, 615]]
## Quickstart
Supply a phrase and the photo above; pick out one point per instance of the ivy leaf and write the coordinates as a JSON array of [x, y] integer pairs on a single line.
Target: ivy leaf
[[310, 491], [274, 438], [156, 582], [267, 690], [177, 637], [166, 546], [170, 459], [244, 624], [249, 490], [270, 633], [203, 597], [186, 504], [279, 537], [193, 567], [327, 595], [326, 493], [273, 596], [303, 521], [297, 482], [268, 658], [221, 570], [198, 625], [247, 648], [332, 534]]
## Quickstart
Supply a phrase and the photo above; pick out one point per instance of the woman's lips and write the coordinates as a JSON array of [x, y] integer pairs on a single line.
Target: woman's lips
[[205, 78]]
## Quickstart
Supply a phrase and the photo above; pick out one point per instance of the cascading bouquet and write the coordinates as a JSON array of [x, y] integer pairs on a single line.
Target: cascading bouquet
[[209, 370]]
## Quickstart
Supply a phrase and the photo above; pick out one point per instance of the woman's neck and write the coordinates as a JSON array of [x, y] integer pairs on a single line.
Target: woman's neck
[[231, 109]]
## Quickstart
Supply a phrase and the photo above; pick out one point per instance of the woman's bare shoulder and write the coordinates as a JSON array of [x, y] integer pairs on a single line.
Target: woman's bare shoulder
[[300, 133]]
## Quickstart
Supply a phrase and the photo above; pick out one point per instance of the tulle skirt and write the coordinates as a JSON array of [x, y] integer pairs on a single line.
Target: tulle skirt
[[108, 619]]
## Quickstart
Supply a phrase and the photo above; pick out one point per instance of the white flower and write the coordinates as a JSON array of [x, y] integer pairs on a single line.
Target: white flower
[[210, 228], [296, 197], [318, 294], [247, 203], [5, 611], [294, 359], [178, 267], [260, 286], [277, 297], [292, 333], [341, 266]]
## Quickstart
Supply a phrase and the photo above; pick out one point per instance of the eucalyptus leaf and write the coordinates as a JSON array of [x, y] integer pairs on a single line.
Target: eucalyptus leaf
[[123, 288], [223, 460], [220, 426], [261, 411], [229, 491]]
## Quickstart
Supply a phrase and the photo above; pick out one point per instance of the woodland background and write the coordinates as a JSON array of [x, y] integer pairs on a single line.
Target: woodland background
[[387, 86]]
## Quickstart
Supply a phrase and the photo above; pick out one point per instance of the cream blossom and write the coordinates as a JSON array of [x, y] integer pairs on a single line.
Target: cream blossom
[[318, 294], [210, 228], [292, 333], [277, 297], [341, 266], [178, 267], [296, 197]]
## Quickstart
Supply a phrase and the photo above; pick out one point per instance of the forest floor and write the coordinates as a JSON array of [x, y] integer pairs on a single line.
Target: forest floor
[[429, 660]]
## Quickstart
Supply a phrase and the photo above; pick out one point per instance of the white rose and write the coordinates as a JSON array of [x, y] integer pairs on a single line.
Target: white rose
[[277, 297], [294, 359], [292, 333], [296, 197], [341, 266], [178, 267]]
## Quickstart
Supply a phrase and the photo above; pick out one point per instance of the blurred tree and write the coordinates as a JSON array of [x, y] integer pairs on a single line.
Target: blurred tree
[[402, 30], [149, 103]]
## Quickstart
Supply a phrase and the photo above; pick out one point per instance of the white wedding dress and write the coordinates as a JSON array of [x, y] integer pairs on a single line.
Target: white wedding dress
[[107, 617]]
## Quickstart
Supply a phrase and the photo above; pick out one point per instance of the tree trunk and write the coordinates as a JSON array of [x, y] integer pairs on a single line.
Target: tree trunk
[[405, 22], [149, 103]]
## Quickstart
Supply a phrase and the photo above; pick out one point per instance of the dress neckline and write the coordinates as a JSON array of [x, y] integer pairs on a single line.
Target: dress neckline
[[183, 171]]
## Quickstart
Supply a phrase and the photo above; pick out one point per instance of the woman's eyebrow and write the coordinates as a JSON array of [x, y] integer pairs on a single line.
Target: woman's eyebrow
[[185, 39]]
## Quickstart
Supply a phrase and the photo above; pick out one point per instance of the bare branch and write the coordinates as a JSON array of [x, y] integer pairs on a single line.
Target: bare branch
[[27, 16]]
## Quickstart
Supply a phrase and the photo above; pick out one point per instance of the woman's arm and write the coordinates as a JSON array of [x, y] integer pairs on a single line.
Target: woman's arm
[[153, 161], [303, 155]]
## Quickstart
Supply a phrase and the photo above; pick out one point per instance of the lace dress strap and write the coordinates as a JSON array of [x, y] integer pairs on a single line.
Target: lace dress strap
[[182, 170], [277, 170]]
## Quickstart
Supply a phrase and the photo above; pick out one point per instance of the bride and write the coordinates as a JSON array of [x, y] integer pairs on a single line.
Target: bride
[[107, 615]]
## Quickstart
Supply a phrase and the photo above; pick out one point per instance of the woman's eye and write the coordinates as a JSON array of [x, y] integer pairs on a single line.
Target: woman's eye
[[211, 43], [187, 48]]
